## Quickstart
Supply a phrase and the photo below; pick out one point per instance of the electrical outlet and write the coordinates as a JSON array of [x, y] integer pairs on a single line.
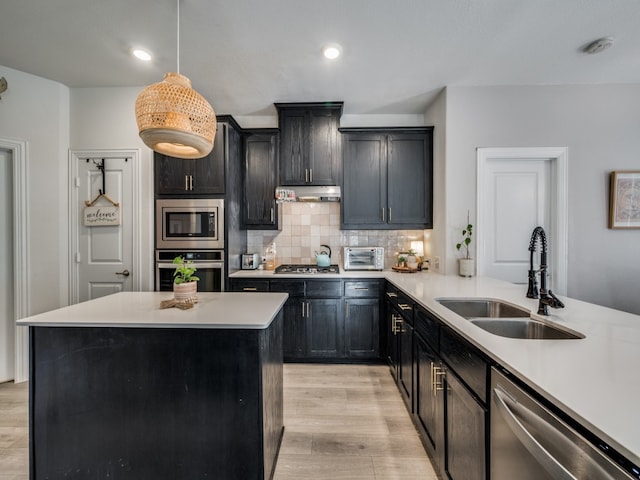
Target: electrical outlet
[[436, 264]]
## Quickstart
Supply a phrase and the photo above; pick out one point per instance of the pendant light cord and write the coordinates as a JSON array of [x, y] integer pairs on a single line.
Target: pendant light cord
[[178, 39]]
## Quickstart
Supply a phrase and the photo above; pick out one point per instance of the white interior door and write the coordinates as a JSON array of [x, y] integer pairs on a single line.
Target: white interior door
[[7, 317], [104, 255], [516, 201], [519, 189]]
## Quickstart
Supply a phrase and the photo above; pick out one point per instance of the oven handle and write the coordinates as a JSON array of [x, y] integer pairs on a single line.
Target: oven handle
[[170, 265]]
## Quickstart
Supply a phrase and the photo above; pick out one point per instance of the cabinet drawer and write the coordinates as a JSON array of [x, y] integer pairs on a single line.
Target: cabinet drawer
[[250, 285], [361, 288], [466, 361], [323, 288], [391, 293], [428, 327], [295, 288], [405, 307]]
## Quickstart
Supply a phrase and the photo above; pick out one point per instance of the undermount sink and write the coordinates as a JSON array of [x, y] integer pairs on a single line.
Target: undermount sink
[[525, 328], [506, 320], [482, 307]]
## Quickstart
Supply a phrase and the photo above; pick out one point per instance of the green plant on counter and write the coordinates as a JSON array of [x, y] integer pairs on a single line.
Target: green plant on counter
[[466, 239], [185, 270], [401, 259]]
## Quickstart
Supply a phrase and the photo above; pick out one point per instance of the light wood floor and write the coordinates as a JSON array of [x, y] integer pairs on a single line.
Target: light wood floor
[[341, 422]]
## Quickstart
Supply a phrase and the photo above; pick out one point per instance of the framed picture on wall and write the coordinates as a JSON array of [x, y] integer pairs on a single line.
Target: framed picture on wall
[[624, 203]]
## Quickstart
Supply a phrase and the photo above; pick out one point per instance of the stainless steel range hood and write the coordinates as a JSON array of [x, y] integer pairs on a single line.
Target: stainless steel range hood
[[312, 193]]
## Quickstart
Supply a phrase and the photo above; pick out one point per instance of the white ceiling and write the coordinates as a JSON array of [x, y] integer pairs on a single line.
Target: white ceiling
[[244, 55]]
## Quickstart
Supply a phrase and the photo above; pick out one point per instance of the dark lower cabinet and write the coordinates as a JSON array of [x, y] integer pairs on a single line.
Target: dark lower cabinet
[[362, 327], [294, 331], [405, 368], [391, 348], [465, 441], [443, 380], [324, 325], [326, 320], [429, 399]]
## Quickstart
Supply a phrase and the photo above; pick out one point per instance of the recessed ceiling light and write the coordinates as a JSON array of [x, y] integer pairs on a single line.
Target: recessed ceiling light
[[332, 51], [141, 54]]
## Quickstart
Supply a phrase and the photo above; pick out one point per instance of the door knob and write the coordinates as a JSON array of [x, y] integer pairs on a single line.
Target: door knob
[[124, 272]]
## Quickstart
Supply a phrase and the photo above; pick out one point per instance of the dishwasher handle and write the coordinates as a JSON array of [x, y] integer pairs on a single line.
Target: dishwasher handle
[[544, 458]]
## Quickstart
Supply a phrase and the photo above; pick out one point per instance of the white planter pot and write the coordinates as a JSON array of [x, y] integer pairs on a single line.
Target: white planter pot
[[412, 262], [185, 291], [465, 267]]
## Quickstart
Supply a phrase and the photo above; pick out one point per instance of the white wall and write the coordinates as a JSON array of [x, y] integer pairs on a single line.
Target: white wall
[[104, 119], [36, 110], [435, 239], [599, 125]]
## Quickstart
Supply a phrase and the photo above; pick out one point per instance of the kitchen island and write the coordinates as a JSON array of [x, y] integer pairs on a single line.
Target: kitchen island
[[121, 389]]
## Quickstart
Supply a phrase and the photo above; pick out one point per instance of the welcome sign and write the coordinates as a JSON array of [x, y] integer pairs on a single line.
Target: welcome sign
[[102, 216]]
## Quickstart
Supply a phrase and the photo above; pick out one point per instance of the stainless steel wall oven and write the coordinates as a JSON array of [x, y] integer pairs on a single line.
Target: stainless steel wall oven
[[209, 264]]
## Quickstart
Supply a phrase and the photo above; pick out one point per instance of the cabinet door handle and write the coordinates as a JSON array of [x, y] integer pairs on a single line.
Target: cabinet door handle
[[311, 175], [389, 214], [250, 289], [272, 214], [186, 182], [392, 295], [346, 309], [383, 214], [396, 326], [306, 175], [404, 306], [361, 288], [190, 182], [438, 379]]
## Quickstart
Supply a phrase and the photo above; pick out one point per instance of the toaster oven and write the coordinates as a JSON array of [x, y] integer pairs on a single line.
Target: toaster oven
[[363, 258]]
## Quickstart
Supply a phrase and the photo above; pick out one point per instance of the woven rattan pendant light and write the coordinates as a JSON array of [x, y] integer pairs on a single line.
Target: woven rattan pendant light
[[173, 118]]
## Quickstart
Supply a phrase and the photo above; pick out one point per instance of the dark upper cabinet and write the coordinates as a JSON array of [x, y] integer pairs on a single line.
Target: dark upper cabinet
[[387, 178], [309, 143], [201, 176], [260, 210]]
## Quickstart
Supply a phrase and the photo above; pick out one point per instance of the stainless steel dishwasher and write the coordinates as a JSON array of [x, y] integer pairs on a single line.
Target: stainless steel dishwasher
[[529, 442]]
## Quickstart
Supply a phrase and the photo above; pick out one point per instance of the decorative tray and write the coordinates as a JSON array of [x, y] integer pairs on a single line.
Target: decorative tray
[[404, 269]]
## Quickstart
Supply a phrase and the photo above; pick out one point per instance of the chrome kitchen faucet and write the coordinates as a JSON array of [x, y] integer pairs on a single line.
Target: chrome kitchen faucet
[[547, 298]]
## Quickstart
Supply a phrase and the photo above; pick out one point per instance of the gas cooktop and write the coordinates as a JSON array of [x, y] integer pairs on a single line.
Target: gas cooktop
[[307, 269]]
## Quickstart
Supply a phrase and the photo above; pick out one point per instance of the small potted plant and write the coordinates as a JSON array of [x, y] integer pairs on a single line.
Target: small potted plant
[[185, 282], [402, 261], [465, 265], [412, 259]]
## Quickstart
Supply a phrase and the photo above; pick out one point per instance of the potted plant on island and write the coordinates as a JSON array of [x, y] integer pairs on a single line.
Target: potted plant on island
[[465, 265], [185, 282]]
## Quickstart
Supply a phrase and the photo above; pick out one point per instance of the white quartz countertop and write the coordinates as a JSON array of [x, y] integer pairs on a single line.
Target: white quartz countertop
[[142, 309], [594, 379]]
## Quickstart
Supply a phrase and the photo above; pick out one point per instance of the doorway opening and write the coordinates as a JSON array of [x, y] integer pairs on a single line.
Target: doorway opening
[[519, 189], [13, 156]]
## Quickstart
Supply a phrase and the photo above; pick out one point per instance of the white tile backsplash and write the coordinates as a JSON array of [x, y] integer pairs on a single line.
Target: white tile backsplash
[[306, 226]]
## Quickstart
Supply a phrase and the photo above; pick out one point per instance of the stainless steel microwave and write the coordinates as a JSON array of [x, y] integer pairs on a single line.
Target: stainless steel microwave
[[363, 258], [190, 223]]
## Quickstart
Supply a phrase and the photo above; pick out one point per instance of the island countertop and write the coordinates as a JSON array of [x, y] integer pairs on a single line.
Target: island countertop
[[231, 310]]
